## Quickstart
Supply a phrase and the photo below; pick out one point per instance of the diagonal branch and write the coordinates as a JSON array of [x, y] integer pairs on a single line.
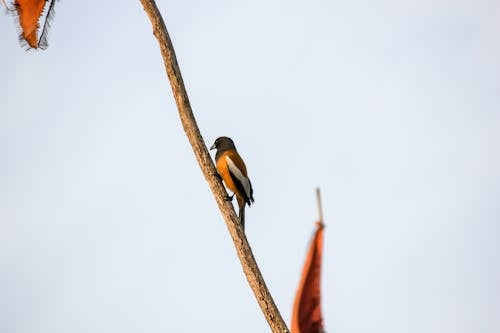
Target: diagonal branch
[[243, 249]]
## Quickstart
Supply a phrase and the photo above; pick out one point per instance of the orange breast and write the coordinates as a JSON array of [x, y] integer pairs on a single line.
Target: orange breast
[[223, 170]]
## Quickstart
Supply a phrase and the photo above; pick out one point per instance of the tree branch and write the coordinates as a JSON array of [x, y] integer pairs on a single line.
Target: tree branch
[[243, 249]]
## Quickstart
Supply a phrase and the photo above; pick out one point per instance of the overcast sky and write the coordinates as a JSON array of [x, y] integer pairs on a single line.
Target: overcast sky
[[391, 107]]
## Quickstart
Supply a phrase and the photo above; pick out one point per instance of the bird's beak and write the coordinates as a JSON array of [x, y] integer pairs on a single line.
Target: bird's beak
[[213, 147]]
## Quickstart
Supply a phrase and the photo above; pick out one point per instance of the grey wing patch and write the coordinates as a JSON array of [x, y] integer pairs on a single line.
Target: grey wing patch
[[240, 180]]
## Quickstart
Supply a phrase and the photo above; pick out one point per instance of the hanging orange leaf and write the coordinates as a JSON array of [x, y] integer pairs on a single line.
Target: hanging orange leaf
[[306, 316], [29, 13]]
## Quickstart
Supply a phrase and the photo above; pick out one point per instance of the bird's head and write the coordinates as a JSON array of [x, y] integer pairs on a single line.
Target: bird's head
[[223, 143]]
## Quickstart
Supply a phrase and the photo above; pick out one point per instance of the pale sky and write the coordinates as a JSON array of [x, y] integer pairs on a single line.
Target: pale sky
[[391, 107]]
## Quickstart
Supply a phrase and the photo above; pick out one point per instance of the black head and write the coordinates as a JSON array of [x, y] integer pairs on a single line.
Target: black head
[[222, 144]]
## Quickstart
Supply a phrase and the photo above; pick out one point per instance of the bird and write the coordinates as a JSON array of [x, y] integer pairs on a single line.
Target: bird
[[233, 171]]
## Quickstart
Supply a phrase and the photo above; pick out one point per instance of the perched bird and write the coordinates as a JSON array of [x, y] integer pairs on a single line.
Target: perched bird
[[233, 172]]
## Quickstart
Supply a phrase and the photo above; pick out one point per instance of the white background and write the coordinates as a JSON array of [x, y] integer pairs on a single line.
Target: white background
[[391, 107]]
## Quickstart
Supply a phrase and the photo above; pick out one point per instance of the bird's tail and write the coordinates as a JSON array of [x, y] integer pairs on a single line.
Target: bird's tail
[[242, 216]]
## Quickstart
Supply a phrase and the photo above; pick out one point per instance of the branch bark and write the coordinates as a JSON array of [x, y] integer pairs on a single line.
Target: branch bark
[[250, 268]]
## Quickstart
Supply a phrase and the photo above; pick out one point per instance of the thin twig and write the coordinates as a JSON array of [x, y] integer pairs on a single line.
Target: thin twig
[[243, 249], [320, 208]]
